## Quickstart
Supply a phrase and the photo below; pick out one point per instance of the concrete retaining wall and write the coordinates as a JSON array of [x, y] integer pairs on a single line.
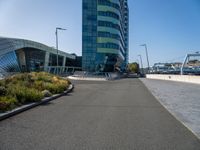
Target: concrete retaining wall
[[86, 78], [179, 78]]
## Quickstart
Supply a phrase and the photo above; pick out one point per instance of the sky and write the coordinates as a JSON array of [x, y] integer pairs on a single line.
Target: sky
[[170, 28]]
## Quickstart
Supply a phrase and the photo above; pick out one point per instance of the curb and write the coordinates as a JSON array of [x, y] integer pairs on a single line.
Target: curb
[[32, 105]]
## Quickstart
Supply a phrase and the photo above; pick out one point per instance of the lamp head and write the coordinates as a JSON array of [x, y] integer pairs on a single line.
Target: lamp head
[[60, 28], [143, 45]]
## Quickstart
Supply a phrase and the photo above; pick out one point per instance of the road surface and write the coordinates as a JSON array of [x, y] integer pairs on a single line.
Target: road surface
[[114, 115]]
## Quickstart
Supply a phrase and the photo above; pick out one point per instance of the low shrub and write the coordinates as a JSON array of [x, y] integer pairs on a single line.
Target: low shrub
[[7, 103], [25, 95], [19, 79], [46, 93], [2, 91], [63, 85], [28, 95], [55, 88], [29, 87], [42, 76], [38, 85], [22, 77], [2, 82]]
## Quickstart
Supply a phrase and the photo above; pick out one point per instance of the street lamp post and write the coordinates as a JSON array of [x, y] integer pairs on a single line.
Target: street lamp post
[[146, 55], [141, 64], [57, 45]]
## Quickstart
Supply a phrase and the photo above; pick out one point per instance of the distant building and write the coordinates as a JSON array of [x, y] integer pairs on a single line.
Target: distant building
[[19, 55], [75, 63], [195, 63], [166, 68], [105, 35]]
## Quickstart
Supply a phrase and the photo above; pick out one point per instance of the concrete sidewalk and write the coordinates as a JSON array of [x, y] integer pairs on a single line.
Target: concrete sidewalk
[[181, 99], [113, 115]]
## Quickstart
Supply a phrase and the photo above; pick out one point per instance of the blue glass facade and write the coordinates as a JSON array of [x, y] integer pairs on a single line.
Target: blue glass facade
[[105, 35], [19, 55], [89, 34], [9, 63]]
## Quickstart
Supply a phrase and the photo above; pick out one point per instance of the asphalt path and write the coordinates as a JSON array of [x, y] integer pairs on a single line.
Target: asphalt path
[[113, 115]]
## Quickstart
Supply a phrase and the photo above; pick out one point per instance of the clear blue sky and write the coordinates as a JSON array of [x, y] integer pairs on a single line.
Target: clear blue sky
[[170, 28]]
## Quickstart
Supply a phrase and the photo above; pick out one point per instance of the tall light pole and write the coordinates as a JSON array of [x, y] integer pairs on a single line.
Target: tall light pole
[[57, 44], [141, 63], [146, 55]]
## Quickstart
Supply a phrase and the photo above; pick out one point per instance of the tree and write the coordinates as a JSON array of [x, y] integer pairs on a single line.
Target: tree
[[133, 67]]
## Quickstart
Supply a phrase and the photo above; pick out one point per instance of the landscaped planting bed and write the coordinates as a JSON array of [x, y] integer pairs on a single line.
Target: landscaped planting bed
[[31, 87]]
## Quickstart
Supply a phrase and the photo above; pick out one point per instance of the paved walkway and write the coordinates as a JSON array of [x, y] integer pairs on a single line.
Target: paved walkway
[[181, 99], [115, 115]]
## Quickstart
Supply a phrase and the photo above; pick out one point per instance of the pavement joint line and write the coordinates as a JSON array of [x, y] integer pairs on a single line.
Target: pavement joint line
[[23, 108], [108, 106], [171, 113]]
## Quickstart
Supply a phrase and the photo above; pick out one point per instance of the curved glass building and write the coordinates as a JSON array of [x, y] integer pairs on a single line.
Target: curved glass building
[[105, 35], [19, 55]]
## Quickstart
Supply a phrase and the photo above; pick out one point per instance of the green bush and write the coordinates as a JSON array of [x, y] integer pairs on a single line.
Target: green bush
[[2, 91], [25, 95], [2, 82], [42, 76], [38, 85], [7, 103], [19, 79], [46, 93], [29, 87], [55, 88], [44, 79], [28, 95]]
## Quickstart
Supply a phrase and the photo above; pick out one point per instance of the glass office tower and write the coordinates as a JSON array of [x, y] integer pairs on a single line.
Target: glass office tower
[[105, 35]]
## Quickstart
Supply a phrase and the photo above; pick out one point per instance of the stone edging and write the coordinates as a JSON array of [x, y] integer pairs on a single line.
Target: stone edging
[[32, 105]]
